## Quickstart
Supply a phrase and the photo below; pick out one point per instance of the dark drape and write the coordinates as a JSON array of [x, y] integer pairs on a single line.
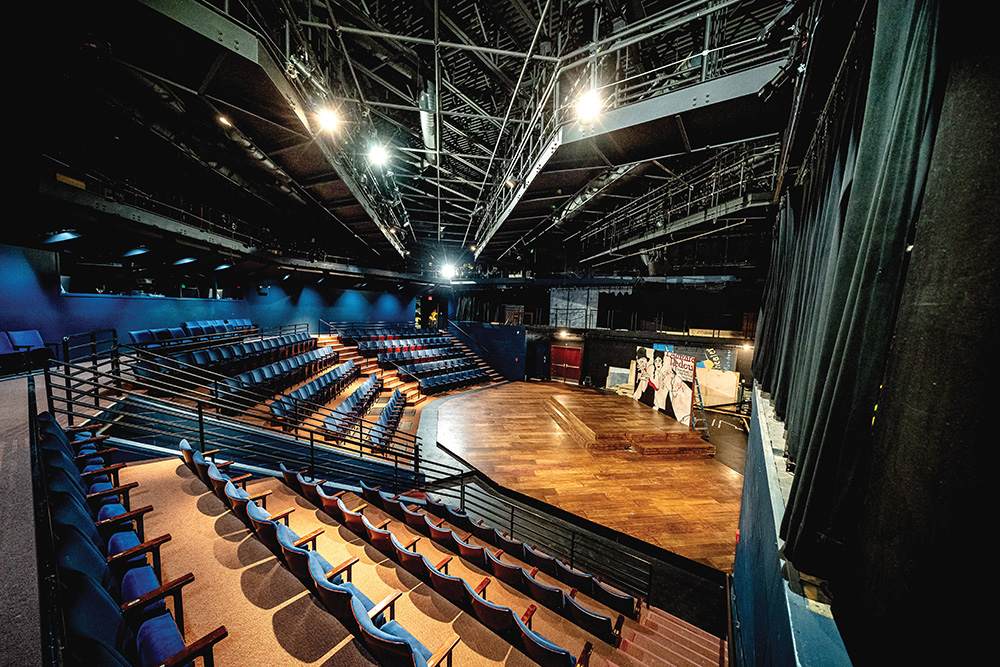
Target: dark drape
[[839, 261]]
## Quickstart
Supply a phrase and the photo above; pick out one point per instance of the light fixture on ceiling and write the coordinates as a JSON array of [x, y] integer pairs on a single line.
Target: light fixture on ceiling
[[447, 270], [328, 119], [378, 155], [588, 106], [224, 121], [222, 267], [135, 252], [184, 260], [60, 236]]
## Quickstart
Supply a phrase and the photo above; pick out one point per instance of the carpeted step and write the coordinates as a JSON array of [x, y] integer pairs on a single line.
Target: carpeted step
[[644, 656], [670, 626], [671, 651]]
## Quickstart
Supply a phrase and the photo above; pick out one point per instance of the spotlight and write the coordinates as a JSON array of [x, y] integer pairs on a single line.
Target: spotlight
[[448, 270], [588, 106], [225, 121], [328, 119], [377, 155], [59, 237]]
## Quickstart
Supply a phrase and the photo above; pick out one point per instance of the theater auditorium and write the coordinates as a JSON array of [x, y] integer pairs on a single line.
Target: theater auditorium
[[620, 333]]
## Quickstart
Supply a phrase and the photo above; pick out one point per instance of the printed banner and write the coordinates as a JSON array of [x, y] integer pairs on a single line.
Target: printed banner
[[664, 380]]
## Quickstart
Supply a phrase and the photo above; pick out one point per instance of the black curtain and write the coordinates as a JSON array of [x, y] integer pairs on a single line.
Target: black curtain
[[839, 260]]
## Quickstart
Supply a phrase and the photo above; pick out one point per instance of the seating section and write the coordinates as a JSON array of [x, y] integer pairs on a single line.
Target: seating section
[[200, 329], [388, 640], [114, 600], [431, 368], [356, 335], [380, 435], [502, 620], [23, 351], [249, 388], [446, 381], [238, 357], [352, 409], [295, 407], [372, 348], [394, 359]]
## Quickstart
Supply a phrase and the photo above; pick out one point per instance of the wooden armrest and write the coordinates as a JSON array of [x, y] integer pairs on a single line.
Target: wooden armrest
[[79, 427], [382, 525], [533, 572], [584, 659], [468, 536], [573, 592], [409, 545], [241, 479], [169, 589], [306, 539], [223, 464], [528, 613], [199, 648], [498, 553], [87, 441], [389, 602], [438, 524], [617, 630], [481, 588], [210, 452], [259, 496], [359, 509], [282, 516], [150, 546], [346, 565], [339, 494], [90, 455], [113, 491], [443, 565], [108, 470], [134, 515], [444, 651]]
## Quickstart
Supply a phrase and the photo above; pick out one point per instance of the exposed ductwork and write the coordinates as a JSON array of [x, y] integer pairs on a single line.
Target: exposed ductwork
[[428, 121]]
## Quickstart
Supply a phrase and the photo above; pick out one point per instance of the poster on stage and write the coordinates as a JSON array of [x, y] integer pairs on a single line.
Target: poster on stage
[[664, 380]]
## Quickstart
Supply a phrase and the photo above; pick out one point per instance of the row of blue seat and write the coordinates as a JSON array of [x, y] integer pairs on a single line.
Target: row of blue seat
[[500, 619], [380, 436], [429, 368], [22, 351], [249, 388], [392, 359], [294, 408], [114, 608], [339, 423], [371, 348], [249, 354], [353, 336], [445, 381], [201, 328]]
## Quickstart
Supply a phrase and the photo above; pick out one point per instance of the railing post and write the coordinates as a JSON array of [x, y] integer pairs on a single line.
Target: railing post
[[462, 501], [572, 549], [511, 522], [116, 368], [201, 425], [312, 455], [395, 474], [48, 391], [69, 390]]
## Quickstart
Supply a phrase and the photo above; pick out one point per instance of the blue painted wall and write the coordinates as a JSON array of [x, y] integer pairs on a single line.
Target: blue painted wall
[[774, 626], [30, 299], [501, 346]]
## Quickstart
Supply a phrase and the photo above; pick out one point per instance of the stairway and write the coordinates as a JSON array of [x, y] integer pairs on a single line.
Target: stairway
[[369, 365], [467, 352], [663, 639]]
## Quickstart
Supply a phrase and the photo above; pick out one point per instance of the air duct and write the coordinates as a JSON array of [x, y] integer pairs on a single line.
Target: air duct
[[428, 121]]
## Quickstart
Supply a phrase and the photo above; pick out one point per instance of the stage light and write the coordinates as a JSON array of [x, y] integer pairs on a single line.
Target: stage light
[[447, 270], [747, 346], [59, 237], [225, 121], [588, 106], [378, 155], [328, 119]]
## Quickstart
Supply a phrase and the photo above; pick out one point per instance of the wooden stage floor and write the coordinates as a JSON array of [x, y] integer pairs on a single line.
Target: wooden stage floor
[[680, 499]]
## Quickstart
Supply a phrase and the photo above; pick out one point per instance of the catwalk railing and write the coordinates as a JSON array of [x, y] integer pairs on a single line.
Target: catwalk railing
[[155, 413]]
